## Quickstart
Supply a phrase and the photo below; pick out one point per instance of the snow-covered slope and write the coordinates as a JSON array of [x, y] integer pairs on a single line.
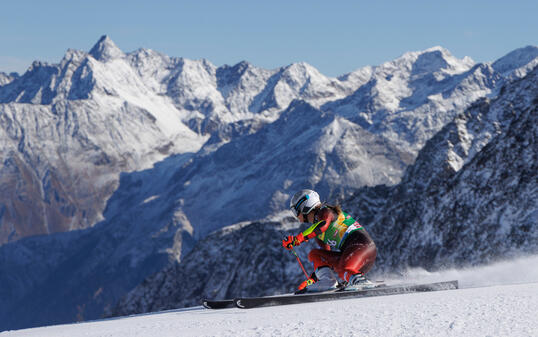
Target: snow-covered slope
[[506, 308], [68, 130], [252, 176], [517, 63]]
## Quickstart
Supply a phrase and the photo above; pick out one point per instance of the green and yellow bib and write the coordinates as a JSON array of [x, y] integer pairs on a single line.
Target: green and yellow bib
[[338, 230]]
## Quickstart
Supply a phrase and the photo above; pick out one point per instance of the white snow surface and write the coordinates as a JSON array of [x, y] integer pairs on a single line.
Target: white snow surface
[[495, 300]]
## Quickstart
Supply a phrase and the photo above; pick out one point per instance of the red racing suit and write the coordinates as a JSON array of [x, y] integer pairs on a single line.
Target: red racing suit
[[346, 246]]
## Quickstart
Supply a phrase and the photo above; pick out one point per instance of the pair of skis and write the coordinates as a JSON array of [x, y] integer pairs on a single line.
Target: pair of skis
[[256, 302]]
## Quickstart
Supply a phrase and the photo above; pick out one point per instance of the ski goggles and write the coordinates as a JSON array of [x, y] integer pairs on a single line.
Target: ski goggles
[[296, 209]]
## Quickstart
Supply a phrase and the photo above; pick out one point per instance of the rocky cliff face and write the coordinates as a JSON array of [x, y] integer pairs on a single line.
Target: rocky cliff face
[[471, 195], [6, 78]]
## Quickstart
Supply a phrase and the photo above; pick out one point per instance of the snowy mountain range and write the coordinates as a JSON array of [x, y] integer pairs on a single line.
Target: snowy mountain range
[[70, 129], [152, 153]]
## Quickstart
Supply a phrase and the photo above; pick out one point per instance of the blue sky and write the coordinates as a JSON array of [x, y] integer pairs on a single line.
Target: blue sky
[[335, 38]]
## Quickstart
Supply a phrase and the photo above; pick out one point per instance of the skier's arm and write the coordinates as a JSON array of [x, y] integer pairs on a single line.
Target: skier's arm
[[326, 216], [291, 241]]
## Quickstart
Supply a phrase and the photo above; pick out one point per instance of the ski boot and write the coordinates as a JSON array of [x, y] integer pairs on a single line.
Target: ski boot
[[359, 282], [309, 281], [325, 281]]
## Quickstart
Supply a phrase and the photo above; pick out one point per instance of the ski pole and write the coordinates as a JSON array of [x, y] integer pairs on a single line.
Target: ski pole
[[300, 263]]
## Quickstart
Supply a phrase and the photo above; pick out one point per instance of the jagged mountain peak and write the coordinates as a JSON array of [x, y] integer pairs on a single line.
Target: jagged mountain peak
[[37, 65], [301, 70], [73, 54], [152, 66], [360, 76], [300, 66], [230, 75], [526, 57], [144, 54], [431, 60], [238, 68], [105, 49], [7, 78], [302, 80]]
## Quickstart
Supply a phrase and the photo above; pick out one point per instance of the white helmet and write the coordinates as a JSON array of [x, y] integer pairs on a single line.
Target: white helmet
[[304, 201]]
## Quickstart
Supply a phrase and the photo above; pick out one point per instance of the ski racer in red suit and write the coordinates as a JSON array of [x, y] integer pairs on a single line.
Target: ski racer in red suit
[[346, 247]]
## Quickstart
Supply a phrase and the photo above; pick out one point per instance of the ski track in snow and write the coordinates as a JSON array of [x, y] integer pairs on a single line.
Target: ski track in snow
[[508, 310], [486, 306]]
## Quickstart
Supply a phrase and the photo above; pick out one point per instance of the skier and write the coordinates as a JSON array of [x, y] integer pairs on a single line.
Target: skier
[[347, 249]]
